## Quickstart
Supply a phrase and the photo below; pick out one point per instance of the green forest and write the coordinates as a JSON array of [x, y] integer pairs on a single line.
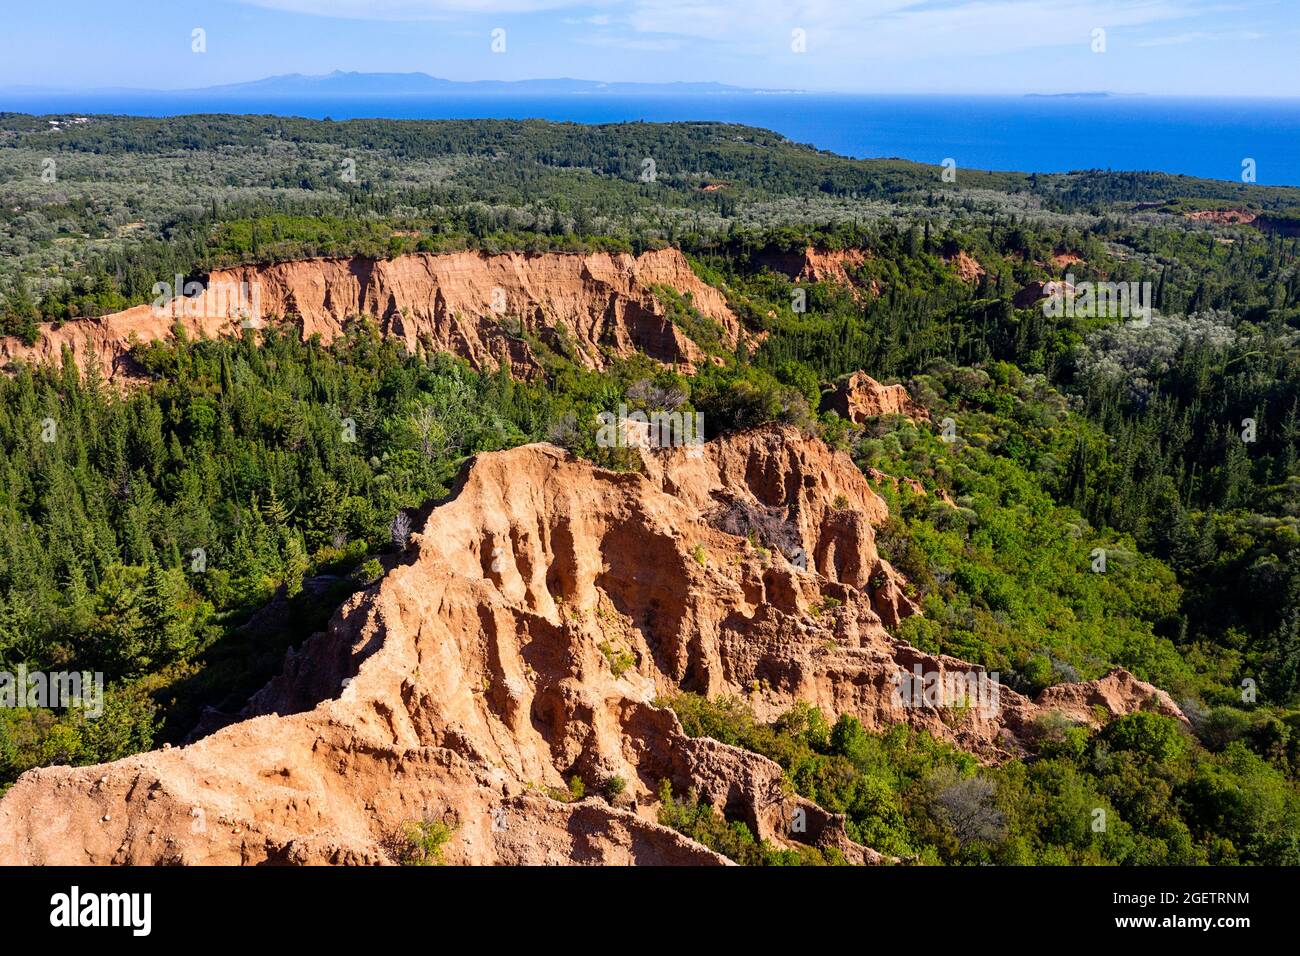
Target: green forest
[[181, 535]]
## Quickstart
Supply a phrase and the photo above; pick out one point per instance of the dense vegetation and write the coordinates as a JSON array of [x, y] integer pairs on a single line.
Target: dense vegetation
[[180, 536], [92, 215], [1137, 792]]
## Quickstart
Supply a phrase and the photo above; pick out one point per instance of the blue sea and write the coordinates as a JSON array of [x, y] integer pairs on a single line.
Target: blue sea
[[1198, 137]]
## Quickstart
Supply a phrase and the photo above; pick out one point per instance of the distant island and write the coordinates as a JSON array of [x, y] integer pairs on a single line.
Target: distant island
[[342, 83]]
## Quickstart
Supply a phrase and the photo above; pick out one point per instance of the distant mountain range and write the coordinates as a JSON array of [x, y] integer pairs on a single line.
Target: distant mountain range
[[340, 83]]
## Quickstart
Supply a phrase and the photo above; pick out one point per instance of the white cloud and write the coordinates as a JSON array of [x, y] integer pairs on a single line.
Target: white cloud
[[844, 30], [899, 29]]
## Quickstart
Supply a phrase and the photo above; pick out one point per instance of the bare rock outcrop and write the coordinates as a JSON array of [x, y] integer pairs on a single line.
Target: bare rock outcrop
[[1037, 291], [1223, 217], [525, 638], [836, 266], [471, 304], [1063, 260], [967, 267], [1119, 692], [859, 397], [1283, 225]]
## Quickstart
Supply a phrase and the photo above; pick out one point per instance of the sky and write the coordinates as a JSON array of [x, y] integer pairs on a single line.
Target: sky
[[1170, 47]]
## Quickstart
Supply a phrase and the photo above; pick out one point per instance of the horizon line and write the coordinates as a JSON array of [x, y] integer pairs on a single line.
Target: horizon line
[[724, 88]]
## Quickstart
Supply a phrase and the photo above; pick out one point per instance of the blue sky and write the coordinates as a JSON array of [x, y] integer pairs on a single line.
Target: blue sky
[[1184, 47]]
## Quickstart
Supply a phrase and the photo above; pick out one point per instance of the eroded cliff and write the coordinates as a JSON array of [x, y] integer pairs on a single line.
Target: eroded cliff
[[482, 307], [523, 638], [836, 266]]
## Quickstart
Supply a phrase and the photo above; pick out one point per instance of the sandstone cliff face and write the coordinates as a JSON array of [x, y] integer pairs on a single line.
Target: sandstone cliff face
[[1281, 226], [967, 267], [1224, 217], [1112, 693], [818, 265], [523, 638], [467, 303], [860, 397]]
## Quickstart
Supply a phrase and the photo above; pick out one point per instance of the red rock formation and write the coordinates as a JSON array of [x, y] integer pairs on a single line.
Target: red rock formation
[[967, 267], [1116, 693], [1037, 291], [860, 397], [462, 303], [523, 639], [1278, 225], [1223, 217], [817, 265]]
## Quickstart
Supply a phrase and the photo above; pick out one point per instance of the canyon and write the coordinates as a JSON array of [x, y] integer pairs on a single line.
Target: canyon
[[528, 634]]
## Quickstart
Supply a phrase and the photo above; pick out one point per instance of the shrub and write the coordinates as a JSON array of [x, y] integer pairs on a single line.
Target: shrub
[[423, 842], [968, 805], [613, 788], [618, 658], [368, 572], [1151, 734]]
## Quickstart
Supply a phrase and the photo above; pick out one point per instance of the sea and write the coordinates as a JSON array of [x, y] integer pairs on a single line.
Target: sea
[[1211, 138]]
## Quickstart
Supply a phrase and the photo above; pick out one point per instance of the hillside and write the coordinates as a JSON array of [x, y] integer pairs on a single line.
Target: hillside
[[519, 645], [423, 466], [480, 307]]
